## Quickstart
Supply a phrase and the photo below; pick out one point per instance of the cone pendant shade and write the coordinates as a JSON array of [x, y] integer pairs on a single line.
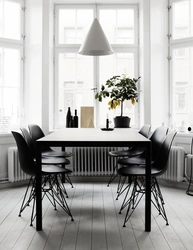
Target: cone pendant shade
[[95, 43]]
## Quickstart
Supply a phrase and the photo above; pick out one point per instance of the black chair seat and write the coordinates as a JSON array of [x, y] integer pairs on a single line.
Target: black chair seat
[[55, 161], [127, 153], [136, 170], [139, 160], [53, 153], [130, 152], [53, 169]]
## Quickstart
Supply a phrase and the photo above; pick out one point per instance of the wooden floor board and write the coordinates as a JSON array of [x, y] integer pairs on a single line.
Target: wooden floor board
[[97, 223], [99, 236], [112, 228], [70, 235]]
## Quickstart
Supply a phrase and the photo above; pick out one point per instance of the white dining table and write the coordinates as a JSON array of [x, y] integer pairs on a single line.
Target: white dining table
[[93, 137]]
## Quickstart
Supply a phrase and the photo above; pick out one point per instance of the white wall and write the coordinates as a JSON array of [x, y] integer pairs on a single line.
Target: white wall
[[47, 65], [153, 63], [145, 61], [33, 62], [159, 62], [39, 63]]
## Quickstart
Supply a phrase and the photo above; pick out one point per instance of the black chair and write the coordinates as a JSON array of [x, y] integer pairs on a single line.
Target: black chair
[[52, 186], [131, 152], [35, 133], [189, 176], [136, 173], [45, 159], [157, 138], [52, 160]]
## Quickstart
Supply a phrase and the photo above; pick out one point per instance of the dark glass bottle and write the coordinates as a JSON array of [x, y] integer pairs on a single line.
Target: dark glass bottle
[[68, 118], [75, 119], [71, 124]]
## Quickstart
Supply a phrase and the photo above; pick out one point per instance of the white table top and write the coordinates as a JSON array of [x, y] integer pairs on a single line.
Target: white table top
[[94, 135]]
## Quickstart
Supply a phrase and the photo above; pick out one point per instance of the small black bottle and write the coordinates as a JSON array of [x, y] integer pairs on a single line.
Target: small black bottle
[[75, 120], [68, 118], [71, 123]]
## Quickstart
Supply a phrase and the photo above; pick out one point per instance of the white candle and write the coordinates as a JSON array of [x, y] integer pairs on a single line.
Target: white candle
[[107, 116]]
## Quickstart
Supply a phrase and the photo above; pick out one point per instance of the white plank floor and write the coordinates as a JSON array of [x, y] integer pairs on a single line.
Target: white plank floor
[[97, 225]]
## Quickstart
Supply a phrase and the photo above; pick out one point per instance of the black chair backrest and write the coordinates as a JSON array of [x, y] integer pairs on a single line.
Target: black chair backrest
[[145, 130], [25, 155], [191, 147], [28, 139], [36, 133], [157, 138], [161, 162]]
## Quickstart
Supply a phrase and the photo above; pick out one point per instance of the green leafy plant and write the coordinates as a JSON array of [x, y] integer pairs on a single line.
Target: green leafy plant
[[119, 89]]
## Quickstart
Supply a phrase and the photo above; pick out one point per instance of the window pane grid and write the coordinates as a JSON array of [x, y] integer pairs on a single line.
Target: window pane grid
[[120, 27], [182, 20], [10, 19], [73, 24], [76, 74], [182, 84], [11, 47]]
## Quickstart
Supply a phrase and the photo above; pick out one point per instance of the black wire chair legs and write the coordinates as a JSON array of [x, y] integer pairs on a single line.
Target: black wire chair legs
[[135, 192], [66, 178], [123, 185], [58, 194], [189, 191], [53, 188], [113, 175], [30, 198], [159, 201]]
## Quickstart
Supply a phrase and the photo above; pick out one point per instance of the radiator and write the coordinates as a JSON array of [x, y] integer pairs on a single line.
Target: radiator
[[92, 161], [15, 173], [175, 165], [95, 161]]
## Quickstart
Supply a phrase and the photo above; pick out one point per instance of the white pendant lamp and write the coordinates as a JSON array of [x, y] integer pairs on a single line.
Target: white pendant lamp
[[95, 43]]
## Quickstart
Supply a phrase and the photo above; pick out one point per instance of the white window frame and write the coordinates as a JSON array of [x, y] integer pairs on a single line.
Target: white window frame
[[18, 45], [73, 48], [172, 40], [175, 44]]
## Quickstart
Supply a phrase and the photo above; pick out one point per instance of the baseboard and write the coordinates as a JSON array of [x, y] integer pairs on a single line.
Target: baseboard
[[181, 185], [7, 184]]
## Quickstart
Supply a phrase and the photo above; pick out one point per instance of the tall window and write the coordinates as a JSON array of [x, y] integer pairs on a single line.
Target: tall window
[[11, 53], [75, 75], [181, 47], [120, 26]]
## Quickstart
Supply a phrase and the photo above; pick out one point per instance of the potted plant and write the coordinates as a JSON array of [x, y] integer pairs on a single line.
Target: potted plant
[[119, 89]]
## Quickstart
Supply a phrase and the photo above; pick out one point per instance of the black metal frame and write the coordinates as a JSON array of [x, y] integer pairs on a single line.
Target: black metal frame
[[189, 191], [131, 201], [92, 142], [53, 188]]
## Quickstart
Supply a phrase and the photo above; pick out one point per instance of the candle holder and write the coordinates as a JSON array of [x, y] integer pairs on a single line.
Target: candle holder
[[107, 126]]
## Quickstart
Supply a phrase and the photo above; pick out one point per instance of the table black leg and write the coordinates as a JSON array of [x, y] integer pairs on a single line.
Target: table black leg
[[148, 189], [38, 189]]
